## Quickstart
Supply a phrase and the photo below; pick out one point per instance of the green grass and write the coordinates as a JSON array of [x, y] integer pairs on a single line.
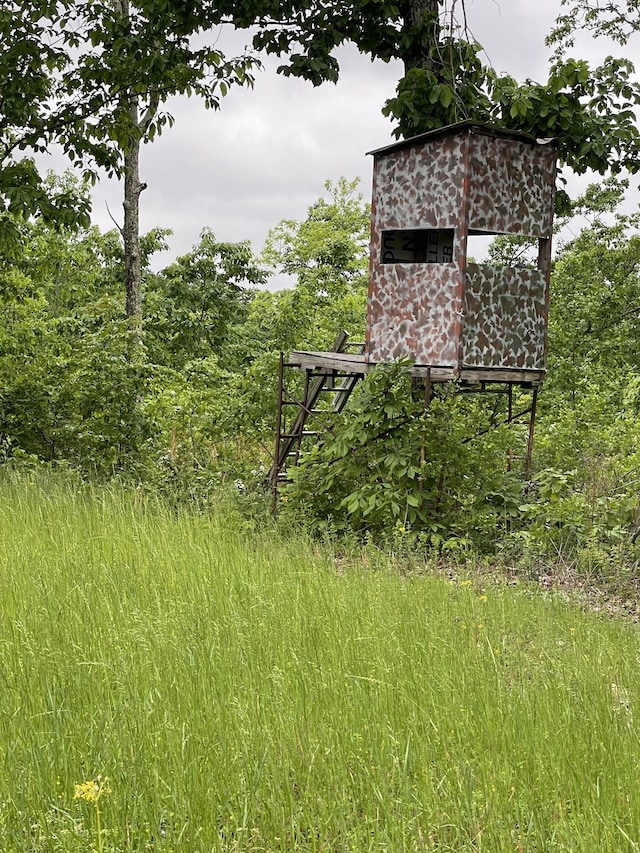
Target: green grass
[[241, 694]]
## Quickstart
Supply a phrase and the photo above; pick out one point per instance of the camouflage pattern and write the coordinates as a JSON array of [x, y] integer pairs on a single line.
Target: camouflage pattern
[[505, 317], [512, 187], [420, 187], [464, 179], [423, 302]]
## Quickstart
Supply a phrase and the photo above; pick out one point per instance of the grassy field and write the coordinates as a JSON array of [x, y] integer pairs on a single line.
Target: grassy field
[[236, 692]]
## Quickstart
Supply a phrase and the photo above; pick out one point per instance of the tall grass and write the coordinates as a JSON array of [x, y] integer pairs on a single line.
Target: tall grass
[[240, 694]]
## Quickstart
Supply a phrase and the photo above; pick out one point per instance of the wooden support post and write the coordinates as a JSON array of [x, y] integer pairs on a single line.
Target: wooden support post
[[532, 426], [509, 421], [276, 455], [423, 441]]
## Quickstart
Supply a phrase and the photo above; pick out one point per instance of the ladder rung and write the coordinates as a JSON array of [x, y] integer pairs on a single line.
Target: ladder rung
[[298, 434]]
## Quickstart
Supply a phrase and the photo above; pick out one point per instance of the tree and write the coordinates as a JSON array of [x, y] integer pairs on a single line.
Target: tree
[[68, 387], [328, 253], [594, 325], [195, 303], [618, 21], [590, 111], [93, 76], [30, 59], [132, 55], [309, 30]]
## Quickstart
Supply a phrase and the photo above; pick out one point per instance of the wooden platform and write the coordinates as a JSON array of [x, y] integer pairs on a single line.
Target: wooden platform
[[352, 363]]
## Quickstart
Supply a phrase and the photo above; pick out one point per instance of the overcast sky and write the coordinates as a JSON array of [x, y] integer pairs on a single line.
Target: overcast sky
[[266, 154]]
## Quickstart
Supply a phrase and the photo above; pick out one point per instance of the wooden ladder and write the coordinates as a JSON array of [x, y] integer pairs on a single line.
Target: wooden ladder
[[291, 430]]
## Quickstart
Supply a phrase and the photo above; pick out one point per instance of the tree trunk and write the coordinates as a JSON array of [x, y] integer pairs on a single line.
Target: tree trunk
[[419, 53], [131, 227], [132, 188]]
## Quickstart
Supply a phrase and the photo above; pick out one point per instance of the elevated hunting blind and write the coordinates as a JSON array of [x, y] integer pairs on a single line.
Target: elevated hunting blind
[[457, 320], [428, 301]]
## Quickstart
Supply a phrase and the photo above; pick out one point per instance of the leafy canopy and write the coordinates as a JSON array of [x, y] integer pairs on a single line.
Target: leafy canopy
[[123, 53], [618, 21], [590, 110], [92, 76], [31, 58]]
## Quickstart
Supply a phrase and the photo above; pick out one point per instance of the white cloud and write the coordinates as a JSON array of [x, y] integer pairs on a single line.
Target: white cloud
[[266, 154]]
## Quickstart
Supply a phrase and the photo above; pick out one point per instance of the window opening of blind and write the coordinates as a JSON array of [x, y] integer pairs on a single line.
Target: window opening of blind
[[478, 244], [509, 250], [418, 246]]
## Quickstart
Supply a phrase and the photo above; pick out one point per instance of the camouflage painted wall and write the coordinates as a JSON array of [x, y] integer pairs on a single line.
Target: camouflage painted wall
[[420, 187], [505, 318], [416, 313], [445, 314], [511, 186]]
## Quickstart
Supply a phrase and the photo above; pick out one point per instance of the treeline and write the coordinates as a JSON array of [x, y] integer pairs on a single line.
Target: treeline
[[190, 408], [79, 387]]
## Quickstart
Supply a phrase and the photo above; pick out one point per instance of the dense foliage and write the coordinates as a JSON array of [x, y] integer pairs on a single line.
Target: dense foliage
[[186, 402], [194, 407], [590, 110], [77, 388]]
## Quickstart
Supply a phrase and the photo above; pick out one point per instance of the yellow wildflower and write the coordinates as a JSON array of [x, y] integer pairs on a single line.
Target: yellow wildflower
[[92, 790]]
